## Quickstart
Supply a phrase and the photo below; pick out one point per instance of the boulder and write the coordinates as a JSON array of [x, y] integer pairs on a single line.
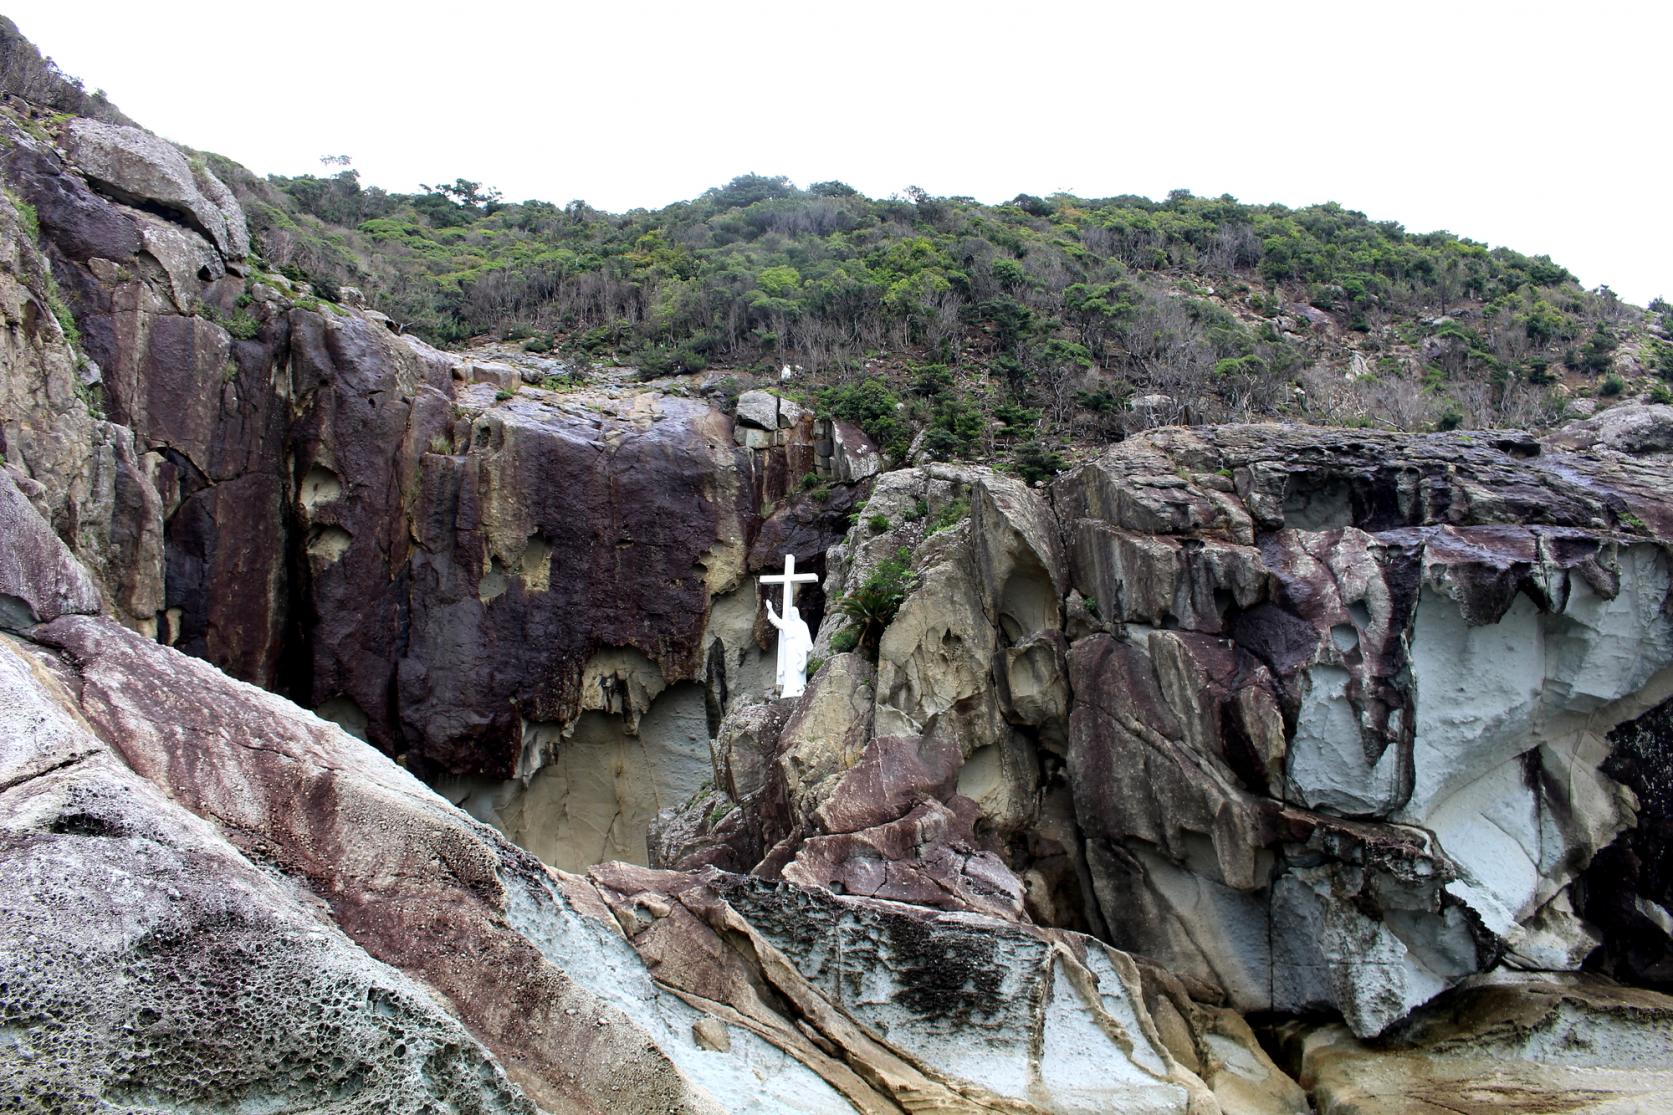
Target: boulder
[[1630, 428], [135, 166], [845, 453], [345, 943], [764, 410], [145, 961]]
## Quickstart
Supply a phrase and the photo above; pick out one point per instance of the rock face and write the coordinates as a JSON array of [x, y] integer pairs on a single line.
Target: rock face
[[216, 899], [322, 507], [137, 167], [1319, 719]]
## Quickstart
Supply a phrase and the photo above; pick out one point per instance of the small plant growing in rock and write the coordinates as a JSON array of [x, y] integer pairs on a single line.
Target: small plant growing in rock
[[950, 515], [844, 641], [872, 605], [242, 325], [810, 481], [878, 523], [1611, 386], [502, 395]]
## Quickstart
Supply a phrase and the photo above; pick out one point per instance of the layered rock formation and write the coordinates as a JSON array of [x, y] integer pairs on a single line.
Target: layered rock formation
[[1320, 719]]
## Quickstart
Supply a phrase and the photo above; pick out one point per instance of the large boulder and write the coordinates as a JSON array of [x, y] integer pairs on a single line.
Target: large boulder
[[135, 166], [1369, 736], [145, 961]]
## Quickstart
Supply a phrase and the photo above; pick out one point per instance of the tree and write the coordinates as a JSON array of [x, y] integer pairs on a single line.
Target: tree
[[468, 194]]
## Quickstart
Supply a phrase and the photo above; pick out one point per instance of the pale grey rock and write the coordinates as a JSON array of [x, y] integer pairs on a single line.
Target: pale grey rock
[[846, 454], [502, 376], [356, 856], [1505, 1043], [827, 732], [144, 962], [137, 167], [593, 788], [1028, 1019], [186, 259], [1633, 428], [751, 438], [764, 410]]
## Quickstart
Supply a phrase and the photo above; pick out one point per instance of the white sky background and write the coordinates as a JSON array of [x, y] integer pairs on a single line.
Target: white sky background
[[1540, 126]]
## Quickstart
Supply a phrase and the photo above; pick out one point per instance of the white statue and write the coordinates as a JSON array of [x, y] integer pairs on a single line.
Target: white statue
[[794, 638]]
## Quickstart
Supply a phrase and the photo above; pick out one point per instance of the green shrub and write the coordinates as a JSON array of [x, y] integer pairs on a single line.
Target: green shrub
[[931, 380], [956, 429], [502, 395], [1037, 463], [845, 640], [1611, 386], [538, 344], [810, 481], [870, 405], [950, 515], [878, 523], [61, 312], [243, 325], [872, 605], [26, 217]]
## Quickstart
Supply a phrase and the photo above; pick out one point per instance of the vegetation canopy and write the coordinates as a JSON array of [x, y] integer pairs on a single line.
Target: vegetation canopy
[[1006, 332]]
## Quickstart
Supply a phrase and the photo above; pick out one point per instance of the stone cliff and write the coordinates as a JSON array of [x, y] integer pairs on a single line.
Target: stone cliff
[[1363, 736]]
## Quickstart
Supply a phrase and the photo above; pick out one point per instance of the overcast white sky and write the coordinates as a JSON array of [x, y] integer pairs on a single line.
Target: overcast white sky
[[1539, 126]]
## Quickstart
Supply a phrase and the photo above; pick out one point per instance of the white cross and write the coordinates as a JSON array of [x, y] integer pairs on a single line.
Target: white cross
[[789, 580]]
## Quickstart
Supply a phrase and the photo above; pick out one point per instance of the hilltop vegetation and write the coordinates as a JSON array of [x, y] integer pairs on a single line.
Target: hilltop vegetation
[[1047, 320], [1019, 333]]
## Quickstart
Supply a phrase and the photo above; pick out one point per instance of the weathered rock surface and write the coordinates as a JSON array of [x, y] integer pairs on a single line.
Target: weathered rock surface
[[325, 508], [40, 579], [1366, 741], [135, 166], [146, 963], [1315, 718], [1317, 721], [1509, 1044], [291, 920]]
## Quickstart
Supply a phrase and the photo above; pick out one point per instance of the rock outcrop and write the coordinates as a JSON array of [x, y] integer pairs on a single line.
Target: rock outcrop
[[463, 569], [1516, 1043], [213, 898], [1318, 719]]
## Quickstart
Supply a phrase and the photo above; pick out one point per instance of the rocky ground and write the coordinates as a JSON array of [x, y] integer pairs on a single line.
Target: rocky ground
[[1359, 740]]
